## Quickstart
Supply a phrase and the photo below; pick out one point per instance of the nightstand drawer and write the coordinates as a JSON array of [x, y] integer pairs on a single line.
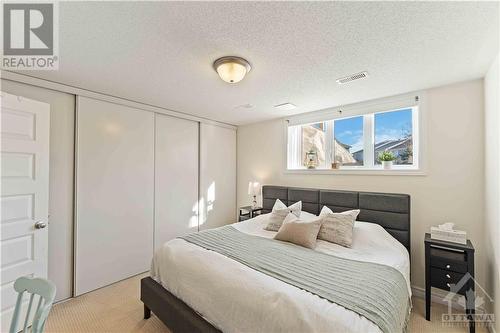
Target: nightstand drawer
[[443, 279], [449, 265], [455, 261]]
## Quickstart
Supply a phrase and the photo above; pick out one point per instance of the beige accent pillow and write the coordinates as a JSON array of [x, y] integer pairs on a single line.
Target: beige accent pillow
[[338, 227], [299, 232], [279, 212], [325, 210]]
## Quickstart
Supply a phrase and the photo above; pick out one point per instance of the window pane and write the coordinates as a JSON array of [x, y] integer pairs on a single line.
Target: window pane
[[394, 133], [348, 142], [314, 145]]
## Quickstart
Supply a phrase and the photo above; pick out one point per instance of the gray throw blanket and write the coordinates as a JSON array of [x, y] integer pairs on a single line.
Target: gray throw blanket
[[377, 292]]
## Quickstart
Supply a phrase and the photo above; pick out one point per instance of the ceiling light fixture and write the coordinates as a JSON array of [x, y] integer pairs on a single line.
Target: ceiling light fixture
[[232, 69]]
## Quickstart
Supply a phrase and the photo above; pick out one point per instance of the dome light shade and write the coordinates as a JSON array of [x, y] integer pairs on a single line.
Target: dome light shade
[[232, 69]]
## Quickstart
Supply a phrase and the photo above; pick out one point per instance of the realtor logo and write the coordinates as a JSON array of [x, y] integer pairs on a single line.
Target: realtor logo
[[474, 306], [29, 36]]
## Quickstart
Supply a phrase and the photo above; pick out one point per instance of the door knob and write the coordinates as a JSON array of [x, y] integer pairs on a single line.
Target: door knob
[[40, 225]]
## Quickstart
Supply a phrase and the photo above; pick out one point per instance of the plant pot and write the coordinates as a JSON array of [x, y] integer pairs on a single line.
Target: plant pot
[[335, 166], [387, 165]]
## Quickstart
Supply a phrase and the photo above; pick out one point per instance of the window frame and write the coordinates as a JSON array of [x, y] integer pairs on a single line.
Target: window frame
[[416, 101]]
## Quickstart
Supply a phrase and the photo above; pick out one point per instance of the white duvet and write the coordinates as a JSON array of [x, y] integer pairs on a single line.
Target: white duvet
[[236, 298]]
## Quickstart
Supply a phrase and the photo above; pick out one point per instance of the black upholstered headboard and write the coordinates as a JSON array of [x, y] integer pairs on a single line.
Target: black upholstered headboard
[[390, 210]]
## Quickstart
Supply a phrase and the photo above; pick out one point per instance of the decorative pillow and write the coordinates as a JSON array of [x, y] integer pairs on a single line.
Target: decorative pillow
[[279, 212], [338, 227], [325, 210], [293, 218], [299, 232]]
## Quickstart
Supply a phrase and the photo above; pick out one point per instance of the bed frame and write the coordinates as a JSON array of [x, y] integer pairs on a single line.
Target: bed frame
[[390, 210]]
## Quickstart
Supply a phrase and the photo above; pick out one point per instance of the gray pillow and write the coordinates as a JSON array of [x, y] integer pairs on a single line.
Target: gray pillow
[[338, 227], [299, 232]]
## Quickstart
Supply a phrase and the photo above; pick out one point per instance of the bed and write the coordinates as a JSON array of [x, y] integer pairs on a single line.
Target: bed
[[193, 289]]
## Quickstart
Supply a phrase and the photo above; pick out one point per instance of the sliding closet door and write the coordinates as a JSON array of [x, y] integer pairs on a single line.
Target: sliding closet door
[[114, 193], [217, 176], [176, 178]]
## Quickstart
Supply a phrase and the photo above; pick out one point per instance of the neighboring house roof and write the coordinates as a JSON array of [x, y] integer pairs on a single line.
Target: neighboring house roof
[[390, 144], [345, 145], [403, 143], [342, 151]]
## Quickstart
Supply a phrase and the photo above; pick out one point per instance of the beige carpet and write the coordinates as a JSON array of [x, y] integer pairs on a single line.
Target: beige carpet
[[117, 308]]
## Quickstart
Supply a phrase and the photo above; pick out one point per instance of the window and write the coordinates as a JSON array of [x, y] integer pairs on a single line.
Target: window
[[348, 141], [304, 139], [355, 142], [393, 132]]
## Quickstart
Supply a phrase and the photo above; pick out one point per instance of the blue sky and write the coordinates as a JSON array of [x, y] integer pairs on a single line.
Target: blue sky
[[388, 126]]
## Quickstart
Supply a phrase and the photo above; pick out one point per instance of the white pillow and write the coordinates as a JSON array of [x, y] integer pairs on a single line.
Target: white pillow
[[290, 218], [325, 211], [308, 217], [295, 209], [305, 217], [279, 213]]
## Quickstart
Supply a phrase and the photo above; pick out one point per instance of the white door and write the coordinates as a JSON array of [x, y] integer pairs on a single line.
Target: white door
[[114, 193], [24, 194], [217, 176], [176, 178]]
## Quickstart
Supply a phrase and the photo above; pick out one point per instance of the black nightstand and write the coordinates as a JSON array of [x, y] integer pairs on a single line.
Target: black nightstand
[[249, 212], [446, 263]]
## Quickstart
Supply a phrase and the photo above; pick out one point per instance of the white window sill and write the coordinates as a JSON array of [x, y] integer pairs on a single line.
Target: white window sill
[[359, 172]]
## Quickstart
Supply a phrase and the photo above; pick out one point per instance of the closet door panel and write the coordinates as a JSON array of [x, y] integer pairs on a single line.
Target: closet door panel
[[217, 176], [114, 193], [176, 178]]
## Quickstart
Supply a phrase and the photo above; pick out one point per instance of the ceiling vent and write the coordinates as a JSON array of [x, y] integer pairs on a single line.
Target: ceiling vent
[[352, 77], [243, 106], [285, 106]]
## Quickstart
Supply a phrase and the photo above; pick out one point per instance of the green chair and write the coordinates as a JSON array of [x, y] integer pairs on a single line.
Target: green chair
[[46, 291]]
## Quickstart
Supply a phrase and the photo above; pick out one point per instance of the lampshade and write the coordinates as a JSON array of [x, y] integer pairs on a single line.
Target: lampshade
[[253, 188], [232, 69]]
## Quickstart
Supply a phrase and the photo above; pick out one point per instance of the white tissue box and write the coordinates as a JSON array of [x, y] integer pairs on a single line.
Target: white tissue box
[[455, 236]]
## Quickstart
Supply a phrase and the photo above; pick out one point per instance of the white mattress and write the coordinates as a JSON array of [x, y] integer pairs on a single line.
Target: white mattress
[[236, 298]]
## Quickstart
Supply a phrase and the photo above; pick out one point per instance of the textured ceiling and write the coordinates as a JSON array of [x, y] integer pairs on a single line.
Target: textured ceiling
[[161, 53]]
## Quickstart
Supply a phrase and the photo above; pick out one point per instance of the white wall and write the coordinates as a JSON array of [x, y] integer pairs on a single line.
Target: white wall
[[492, 185], [62, 117], [217, 203], [452, 189]]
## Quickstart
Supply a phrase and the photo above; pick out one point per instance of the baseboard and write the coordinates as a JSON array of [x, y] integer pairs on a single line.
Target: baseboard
[[437, 296]]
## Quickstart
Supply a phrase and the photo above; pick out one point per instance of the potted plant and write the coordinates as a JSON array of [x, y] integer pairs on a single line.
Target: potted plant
[[386, 157]]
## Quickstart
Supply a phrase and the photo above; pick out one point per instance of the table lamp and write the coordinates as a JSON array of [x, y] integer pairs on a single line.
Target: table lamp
[[253, 190]]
